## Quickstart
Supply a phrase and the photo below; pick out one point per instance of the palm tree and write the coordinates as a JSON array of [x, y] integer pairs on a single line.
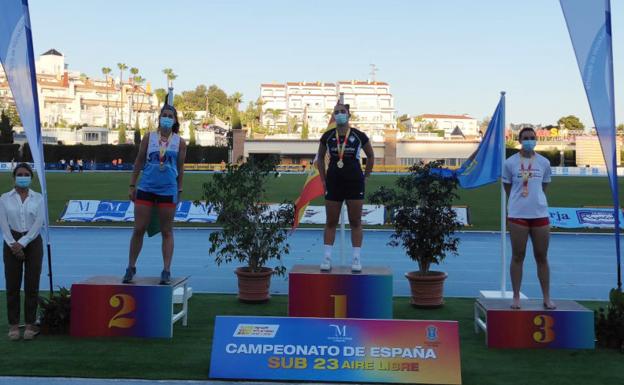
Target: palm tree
[[122, 67], [134, 71], [138, 84], [275, 114], [170, 76], [237, 98], [106, 71]]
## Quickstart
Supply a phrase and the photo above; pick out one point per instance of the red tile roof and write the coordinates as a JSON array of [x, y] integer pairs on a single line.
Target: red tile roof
[[442, 116]]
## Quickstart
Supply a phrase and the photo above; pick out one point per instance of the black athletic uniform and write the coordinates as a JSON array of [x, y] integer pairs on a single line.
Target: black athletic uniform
[[346, 182]]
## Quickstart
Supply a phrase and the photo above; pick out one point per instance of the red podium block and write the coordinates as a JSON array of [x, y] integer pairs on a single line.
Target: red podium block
[[340, 293], [104, 307], [569, 326]]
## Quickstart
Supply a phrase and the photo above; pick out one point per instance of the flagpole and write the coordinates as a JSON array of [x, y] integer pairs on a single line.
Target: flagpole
[[342, 234], [503, 221]]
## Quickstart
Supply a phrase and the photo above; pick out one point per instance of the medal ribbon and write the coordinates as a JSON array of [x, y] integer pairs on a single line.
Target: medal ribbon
[[163, 145], [341, 151], [526, 174]]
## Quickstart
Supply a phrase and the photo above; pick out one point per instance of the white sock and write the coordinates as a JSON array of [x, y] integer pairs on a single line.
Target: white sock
[[356, 252], [328, 251]]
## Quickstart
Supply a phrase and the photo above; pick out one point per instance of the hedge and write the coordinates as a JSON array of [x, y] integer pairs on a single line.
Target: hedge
[[569, 156], [9, 152], [105, 153]]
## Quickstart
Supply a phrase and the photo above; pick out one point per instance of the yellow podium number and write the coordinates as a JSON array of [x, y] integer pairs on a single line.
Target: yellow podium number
[[340, 306], [127, 305], [545, 333]]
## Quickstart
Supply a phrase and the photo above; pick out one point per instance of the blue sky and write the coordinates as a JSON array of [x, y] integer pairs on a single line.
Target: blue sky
[[443, 56]]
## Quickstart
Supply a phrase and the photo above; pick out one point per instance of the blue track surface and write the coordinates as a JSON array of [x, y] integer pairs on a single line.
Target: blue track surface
[[582, 265]]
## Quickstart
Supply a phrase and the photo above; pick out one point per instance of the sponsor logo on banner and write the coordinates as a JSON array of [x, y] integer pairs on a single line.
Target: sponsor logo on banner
[[116, 211], [595, 218], [256, 331], [575, 218], [432, 333], [340, 333]]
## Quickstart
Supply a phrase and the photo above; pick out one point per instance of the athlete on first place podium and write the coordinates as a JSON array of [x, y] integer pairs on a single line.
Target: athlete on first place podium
[[344, 181]]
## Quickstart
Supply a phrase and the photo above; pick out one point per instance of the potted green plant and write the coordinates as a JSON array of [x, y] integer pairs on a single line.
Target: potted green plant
[[609, 323], [424, 223], [251, 232], [55, 312]]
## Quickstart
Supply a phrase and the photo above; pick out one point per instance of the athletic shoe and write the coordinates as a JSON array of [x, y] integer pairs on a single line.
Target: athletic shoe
[[165, 277], [14, 333], [130, 272], [31, 332], [326, 264], [356, 265]]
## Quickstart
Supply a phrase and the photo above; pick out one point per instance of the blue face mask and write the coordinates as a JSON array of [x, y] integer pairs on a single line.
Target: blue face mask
[[166, 123], [342, 119], [528, 145], [22, 181]]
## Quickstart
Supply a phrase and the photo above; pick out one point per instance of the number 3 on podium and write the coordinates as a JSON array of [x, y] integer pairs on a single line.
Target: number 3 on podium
[[127, 304], [545, 333]]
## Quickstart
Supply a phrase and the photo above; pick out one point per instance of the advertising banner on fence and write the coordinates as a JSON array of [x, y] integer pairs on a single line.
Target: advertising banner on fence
[[123, 211], [573, 218], [337, 350], [187, 211]]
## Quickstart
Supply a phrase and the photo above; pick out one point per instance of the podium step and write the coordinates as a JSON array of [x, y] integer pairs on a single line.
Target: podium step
[[569, 326], [340, 293]]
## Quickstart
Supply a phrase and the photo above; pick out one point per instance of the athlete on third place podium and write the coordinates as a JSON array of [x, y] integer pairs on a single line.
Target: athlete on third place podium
[[344, 180]]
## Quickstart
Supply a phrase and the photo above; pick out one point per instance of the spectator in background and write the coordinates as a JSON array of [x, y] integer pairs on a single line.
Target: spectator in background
[[63, 164], [80, 165], [71, 165]]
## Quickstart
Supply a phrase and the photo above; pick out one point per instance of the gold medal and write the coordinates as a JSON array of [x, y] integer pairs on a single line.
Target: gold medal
[[163, 145], [526, 174], [341, 149]]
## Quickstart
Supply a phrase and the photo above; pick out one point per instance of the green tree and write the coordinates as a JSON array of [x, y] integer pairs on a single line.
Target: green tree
[[236, 99], [121, 135], [236, 122], [275, 115], [6, 129], [217, 102], [161, 94], [137, 136], [620, 128], [483, 125], [122, 67], [570, 122], [192, 139], [106, 71], [305, 130]]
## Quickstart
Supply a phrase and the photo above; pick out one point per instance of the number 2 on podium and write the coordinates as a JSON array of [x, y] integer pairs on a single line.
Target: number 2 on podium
[[340, 306], [127, 304], [545, 333]]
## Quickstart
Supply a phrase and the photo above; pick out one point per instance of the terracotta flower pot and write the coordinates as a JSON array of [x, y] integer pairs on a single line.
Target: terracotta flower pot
[[427, 289], [253, 287]]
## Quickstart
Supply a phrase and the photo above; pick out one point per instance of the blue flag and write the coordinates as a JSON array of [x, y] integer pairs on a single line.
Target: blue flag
[[484, 166], [589, 25], [17, 58]]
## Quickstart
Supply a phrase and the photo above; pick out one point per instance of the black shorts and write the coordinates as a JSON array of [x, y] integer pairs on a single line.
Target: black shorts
[[150, 199], [340, 190]]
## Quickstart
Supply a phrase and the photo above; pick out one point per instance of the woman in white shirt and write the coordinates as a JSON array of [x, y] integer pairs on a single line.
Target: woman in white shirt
[[21, 219], [525, 177]]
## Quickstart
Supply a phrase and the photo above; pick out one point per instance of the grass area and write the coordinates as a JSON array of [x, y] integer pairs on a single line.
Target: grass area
[[483, 203], [187, 355]]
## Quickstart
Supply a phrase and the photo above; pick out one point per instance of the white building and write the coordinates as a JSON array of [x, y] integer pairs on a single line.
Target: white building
[[71, 98], [468, 125], [290, 104]]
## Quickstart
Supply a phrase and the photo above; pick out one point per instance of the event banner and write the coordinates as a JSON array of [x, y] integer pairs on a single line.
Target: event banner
[[572, 218], [340, 350]]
